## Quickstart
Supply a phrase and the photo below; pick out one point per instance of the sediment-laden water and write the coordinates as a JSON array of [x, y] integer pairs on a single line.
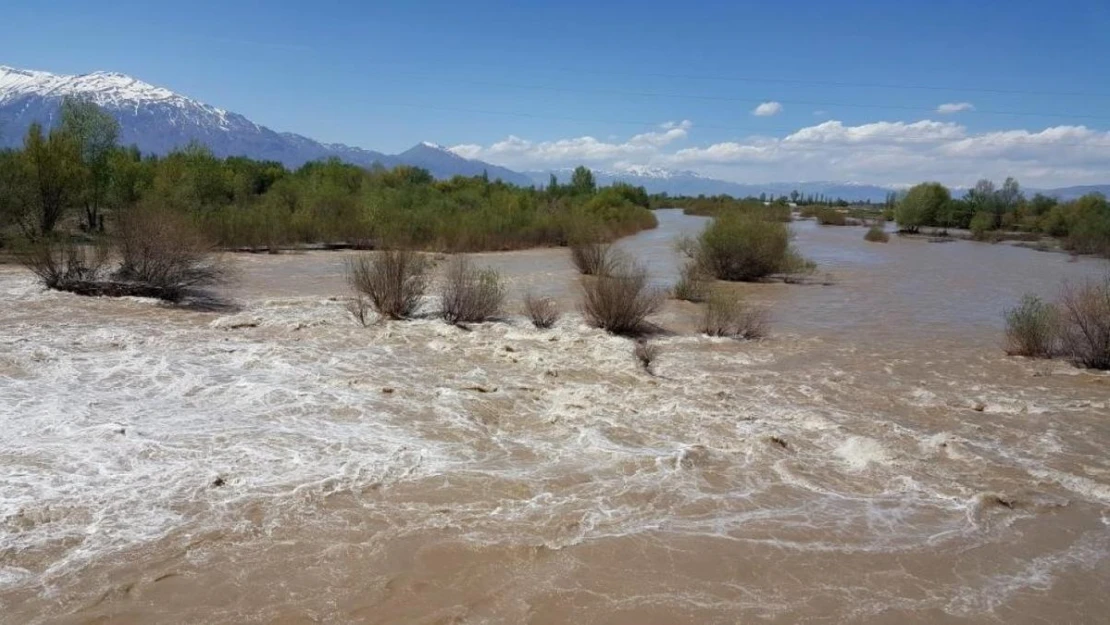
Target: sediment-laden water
[[879, 459]]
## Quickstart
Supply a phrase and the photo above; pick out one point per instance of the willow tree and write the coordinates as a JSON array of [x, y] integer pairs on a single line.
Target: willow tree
[[95, 133]]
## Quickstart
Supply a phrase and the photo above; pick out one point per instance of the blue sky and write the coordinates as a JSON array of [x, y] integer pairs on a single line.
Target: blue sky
[[551, 75]]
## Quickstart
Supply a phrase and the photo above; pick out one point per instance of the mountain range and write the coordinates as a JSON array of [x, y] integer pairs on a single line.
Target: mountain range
[[158, 120]]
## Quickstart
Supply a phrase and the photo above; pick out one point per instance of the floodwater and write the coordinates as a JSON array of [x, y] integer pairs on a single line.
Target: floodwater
[[878, 459]]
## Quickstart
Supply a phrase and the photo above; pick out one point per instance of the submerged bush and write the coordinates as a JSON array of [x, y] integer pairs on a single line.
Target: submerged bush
[[693, 283], [394, 281], [621, 300], [745, 247], [876, 234], [830, 217], [646, 353], [1085, 323], [543, 311], [163, 250], [60, 265], [1032, 328], [591, 258], [726, 314], [470, 294]]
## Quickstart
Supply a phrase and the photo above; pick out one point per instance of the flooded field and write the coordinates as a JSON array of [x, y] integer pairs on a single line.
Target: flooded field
[[878, 459]]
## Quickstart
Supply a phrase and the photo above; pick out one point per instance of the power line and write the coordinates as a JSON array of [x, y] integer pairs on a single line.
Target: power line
[[623, 93]]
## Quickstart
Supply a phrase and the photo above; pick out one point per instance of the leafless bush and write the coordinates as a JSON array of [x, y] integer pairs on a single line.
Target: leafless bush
[[60, 265], [693, 283], [543, 311], [163, 251], [646, 353], [1085, 320], [621, 300], [727, 315], [470, 294], [394, 281], [359, 308], [591, 258], [1032, 328]]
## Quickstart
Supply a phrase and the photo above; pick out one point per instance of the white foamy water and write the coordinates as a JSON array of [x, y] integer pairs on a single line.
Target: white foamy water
[[286, 463]]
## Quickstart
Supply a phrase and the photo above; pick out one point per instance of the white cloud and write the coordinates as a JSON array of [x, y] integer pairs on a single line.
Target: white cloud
[[949, 108], [878, 152], [525, 153], [767, 109]]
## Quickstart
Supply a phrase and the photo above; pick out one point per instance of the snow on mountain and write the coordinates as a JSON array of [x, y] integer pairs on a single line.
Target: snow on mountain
[[159, 120]]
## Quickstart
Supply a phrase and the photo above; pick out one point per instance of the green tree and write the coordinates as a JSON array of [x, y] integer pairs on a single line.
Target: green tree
[[921, 206], [95, 133], [53, 166], [582, 181]]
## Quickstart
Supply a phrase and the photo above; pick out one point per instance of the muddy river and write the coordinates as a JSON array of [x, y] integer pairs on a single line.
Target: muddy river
[[878, 459]]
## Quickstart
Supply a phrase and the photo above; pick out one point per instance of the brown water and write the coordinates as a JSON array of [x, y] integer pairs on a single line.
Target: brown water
[[879, 459]]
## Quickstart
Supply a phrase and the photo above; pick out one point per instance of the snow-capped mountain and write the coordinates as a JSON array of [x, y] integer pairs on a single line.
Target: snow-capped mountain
[[159, 120]]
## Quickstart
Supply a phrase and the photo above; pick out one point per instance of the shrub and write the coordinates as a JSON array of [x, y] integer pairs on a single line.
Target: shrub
[[62, 265], [1085, 321], [693, 284], [646, 353], [591, 258], [470, 294], [739, 246], [830, 217], [394, 280], [543, 311], [982, 223], [359, 309], [164, 251], [621, 300], [1032, 328], [727, 315], [876, 234]]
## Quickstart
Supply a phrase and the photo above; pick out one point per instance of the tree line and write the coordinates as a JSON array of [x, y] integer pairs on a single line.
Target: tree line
[[992, 212], [75, 179]]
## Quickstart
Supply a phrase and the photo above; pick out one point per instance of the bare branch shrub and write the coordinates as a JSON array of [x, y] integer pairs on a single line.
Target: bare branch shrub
[[164, 252], [543, 311], [394, 281], [470, 294], [1032, 328], [693, 283], [359, 308], [621, 300], [726, 314], [591, 258], [1085, 318], [646, 353], [61, 264]]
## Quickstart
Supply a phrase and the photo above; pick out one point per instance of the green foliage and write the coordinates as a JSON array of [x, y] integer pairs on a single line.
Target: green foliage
[[830, 217], [876, 234], [922, 205], [243, 203], [582, 181], [1032, 328], [744, 246], [981, 224], [1088, 226], [713, 205], [95, 133]]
